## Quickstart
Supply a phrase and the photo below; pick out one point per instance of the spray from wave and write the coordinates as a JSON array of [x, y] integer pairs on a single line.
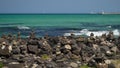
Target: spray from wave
[[96, 33]]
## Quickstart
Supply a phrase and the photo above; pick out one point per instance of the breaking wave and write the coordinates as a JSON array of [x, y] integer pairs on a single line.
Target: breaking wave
[[23, 27], [96, 33]]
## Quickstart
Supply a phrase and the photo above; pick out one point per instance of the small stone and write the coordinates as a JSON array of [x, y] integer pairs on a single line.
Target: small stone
[[108, 52], [68, 47], [5, 67], [14, 63], [34, 65], [74, 65], [58, 52], [108, 61]]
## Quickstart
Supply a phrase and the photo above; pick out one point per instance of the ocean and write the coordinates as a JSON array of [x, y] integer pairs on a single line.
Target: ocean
[[59, 24]]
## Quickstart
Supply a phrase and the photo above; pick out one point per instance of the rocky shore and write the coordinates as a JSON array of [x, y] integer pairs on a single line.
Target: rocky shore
[[59, 52]]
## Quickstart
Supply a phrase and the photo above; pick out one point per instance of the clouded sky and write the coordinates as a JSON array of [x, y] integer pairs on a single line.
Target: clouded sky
[[58, 6]]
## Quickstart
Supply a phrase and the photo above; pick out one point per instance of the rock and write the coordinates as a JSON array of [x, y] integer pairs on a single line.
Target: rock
[[39, 61], [74, 65], [114, 49], [107, 61], [75, 57], [108, 53], [95, 46], [23, 49], [5, 67], [33, 49], [104, 49], [15, 65], [58, 52], [80, 39], [33, 42], [102, 65], [49, 66], [4, 51], [111, 65], [39, 66], [34, 65], [15, 50], [92, 63]]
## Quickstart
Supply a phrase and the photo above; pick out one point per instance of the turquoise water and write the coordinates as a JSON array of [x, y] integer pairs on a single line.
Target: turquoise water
[[57, 24]]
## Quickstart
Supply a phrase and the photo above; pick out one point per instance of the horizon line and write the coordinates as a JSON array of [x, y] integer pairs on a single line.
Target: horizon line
[[65, 13]]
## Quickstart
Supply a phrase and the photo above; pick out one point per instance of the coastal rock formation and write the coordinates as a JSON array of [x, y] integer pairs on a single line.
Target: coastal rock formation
[[59, 52]]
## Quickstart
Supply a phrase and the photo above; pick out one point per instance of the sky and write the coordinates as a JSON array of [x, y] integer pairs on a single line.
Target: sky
[[59, 6]]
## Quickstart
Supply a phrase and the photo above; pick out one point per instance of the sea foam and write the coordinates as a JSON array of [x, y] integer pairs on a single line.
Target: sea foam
[[96, 33]]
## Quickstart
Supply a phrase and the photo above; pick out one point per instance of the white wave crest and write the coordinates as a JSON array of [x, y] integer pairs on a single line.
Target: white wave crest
[[109, 27], [23, 27], [116, 32], [96, 33]]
